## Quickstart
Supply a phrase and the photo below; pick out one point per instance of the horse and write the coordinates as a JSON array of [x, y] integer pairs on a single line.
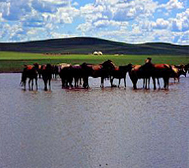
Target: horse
[[77, 73], [102, 70], [148, 70], [38, 69], [162, 71], [140, 72], [65, 74], [47, 75], [186, 68], [55, 71], [178, 70], [119, 73], [30, 72]]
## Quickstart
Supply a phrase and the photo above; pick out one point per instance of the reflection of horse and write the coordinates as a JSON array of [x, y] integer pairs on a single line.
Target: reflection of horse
[[29, 72], [103, 71], [119, 73], [47, 75]]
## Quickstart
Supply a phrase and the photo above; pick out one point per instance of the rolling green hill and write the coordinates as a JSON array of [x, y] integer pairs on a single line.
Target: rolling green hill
[[87, 45]]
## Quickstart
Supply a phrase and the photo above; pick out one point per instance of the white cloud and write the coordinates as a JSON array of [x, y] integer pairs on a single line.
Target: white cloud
[[181, 22], [172, 4], [160, 24], [184, 38]]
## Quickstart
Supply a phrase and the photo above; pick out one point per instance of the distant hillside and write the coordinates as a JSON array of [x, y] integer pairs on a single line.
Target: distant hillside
[[86, 45]]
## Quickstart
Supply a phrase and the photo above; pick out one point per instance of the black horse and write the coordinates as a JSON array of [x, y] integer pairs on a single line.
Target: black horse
[[120, 73], [29, 72], [47, 75]]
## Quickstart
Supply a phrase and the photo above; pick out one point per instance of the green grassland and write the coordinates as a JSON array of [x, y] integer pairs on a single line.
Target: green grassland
[[14, 61]]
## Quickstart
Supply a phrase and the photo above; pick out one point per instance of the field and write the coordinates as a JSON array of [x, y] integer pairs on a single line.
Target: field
[[14, 61]]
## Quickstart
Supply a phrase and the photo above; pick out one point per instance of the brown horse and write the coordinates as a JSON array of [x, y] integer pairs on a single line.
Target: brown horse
[[178, 70], [47, 75], [148, 70], [140, 72], [29, 72], [162, 71], [120, 73], [103, 71]]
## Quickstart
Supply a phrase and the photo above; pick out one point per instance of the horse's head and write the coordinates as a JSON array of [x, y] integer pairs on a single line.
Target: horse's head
[[108, 65]]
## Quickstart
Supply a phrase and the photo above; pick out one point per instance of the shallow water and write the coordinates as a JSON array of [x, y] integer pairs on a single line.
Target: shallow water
[[79, 128]]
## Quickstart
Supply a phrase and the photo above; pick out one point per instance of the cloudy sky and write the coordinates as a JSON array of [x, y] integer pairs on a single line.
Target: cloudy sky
[[131, 21]]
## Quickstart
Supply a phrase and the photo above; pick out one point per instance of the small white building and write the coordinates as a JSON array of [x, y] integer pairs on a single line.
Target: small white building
[[97, 53]]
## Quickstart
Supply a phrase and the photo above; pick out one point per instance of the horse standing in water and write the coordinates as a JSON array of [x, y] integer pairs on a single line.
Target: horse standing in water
[[30, 72], [148, 70], [47, 76], [120, 73], [103, 71]]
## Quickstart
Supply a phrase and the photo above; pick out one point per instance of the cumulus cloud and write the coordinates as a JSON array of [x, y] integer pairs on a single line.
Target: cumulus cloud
[[181, 22], [14, 10], [172, 4], [131, 21], [160, 24]]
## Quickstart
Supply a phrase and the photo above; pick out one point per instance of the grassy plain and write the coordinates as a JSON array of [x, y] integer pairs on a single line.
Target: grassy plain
[[14, 61]]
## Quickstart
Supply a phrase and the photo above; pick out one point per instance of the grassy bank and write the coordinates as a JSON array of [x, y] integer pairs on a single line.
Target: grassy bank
[[14, 61]]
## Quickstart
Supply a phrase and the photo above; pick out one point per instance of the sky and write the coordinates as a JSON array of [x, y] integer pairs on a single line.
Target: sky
[[130, 21]]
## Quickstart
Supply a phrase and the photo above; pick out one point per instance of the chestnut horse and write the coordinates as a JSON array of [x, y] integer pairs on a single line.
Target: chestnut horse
[[155, 71], [103, 71]]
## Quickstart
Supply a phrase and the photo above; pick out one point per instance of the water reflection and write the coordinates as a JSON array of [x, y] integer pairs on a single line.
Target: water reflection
[[110, 127]]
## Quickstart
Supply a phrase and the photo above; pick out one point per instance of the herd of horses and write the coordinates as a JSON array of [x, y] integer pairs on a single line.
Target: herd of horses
[[78, 75]]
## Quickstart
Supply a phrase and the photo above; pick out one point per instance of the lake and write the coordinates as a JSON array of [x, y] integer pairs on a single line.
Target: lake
[[92, 128]]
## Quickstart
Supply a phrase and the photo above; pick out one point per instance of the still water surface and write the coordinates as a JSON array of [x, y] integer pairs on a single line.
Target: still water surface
[[109, 128]]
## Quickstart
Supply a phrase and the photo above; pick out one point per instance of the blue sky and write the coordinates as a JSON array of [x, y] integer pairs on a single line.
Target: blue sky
[[130, 21]]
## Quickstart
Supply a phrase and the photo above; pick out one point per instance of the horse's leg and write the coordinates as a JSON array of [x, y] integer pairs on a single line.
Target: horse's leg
[[49, 84], [111, 81], [45, 84], [63, 83], [36, 84], [29, 83], [166, 82], [85, 82], [32, 83], [102, 82], [149, 83], [154, 82], [158, 83], [124, 81], [134, 83], [119, 82], [24, 82], [144, 83]]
